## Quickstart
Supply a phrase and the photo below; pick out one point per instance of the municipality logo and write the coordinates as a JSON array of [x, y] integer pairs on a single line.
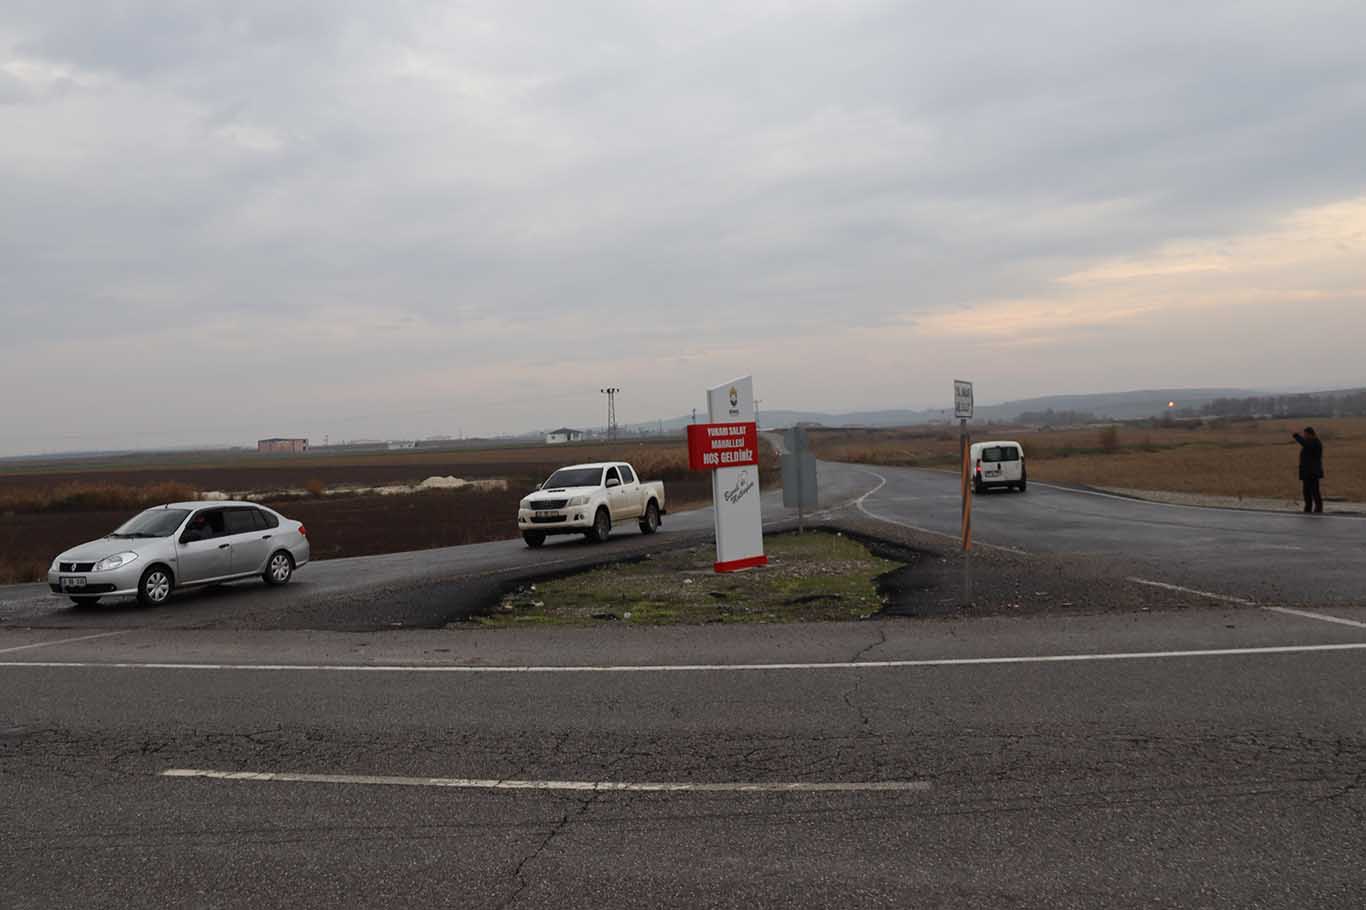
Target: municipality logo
[[734, 397]]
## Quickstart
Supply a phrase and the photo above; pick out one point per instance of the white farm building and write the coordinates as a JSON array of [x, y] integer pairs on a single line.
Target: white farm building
[[562, 435]]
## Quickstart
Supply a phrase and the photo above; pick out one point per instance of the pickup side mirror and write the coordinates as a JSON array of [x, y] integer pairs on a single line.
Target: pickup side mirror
[[613, 482], [538, 486]]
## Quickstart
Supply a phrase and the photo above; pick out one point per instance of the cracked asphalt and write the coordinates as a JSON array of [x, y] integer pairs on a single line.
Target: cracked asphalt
[[1218, 769]]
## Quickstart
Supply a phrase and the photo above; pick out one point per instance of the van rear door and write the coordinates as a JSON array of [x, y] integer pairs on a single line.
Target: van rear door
[[1013, 463], [993, 464]]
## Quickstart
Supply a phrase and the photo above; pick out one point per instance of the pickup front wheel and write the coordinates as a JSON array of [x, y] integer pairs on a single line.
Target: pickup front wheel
[[602, 526], [533, 539], [650, 523]]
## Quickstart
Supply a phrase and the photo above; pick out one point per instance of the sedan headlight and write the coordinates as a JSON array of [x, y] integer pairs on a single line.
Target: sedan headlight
[[578, 501], [117, 561]]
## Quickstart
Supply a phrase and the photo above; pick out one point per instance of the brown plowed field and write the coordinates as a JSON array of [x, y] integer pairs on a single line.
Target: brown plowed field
[[348, 525]]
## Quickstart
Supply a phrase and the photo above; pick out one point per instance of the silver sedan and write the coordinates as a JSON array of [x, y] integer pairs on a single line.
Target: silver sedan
[[182, 545]]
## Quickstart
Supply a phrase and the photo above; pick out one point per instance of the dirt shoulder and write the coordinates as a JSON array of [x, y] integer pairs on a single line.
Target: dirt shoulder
[[864, 570]]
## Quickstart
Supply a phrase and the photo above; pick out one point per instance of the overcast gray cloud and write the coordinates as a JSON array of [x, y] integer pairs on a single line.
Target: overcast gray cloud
[[219, 221]]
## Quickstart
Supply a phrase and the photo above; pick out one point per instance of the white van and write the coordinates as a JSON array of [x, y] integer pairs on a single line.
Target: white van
[[998, 464]]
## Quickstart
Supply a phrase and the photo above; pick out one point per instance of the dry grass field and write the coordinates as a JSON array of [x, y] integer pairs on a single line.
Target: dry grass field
[[1238, 459], [47, 507]]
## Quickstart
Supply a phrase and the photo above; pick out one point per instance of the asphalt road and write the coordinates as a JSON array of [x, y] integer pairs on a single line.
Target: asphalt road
[[1268, 557], [1189, 780], [1211, 756]]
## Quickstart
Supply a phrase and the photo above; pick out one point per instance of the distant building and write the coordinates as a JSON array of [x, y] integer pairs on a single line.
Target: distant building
[[562, 435], [398, 445], [279, 446]]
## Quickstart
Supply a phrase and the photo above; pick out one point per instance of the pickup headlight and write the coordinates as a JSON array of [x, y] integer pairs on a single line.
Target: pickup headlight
[[117, 561], [524, 504], [577, 501]]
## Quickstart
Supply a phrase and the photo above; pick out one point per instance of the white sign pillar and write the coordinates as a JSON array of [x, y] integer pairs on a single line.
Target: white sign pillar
[[735, 491]]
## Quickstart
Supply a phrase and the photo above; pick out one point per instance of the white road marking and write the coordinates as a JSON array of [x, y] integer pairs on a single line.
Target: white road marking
[[1322, 617], [1227, 598], [62, 641], [696, 668], [602, 786], [862, 507]]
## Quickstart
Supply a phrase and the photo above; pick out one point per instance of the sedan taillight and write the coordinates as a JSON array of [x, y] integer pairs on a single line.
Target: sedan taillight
[[303, 532]]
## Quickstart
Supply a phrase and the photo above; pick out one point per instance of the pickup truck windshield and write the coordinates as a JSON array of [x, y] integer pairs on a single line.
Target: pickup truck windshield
[[574, 477]]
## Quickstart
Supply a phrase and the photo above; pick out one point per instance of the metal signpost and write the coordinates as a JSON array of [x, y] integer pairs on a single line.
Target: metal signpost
[[728, 446], [962, 409], [799, 475]]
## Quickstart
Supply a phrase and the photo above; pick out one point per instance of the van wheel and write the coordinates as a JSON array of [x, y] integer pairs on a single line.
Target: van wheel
[[534, 539], [650, 523], [602, 527], [1024, 485]]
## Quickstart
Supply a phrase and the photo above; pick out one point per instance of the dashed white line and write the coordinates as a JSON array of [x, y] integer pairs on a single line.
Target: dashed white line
[[1211, 595], [1242, 601], [601, 786], [1322, 617], [62, 641], [696, 668]]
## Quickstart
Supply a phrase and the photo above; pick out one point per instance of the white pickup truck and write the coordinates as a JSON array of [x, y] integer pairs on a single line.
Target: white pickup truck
[[588, 499]]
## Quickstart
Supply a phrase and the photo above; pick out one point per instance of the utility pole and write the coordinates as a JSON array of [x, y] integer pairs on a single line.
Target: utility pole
[[611, 393], [757, 402], [694, 415]]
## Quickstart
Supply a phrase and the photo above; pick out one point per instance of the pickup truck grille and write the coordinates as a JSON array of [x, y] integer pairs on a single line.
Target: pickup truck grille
[[542, 504]]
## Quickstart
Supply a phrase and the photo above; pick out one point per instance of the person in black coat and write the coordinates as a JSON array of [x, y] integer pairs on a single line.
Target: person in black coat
[[1311, 468]]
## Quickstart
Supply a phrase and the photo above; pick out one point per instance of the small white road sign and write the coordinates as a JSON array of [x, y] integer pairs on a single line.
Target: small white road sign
[[962, 399]]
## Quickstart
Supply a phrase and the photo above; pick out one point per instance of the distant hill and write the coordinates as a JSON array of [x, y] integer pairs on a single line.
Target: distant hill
[[1105, 405]]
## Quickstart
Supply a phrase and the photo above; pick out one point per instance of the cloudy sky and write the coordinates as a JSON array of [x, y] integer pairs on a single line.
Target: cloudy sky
[[220, 221]]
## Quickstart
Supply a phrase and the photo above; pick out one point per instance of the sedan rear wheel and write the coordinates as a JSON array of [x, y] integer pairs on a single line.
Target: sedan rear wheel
[[155, 587], [280, 568]]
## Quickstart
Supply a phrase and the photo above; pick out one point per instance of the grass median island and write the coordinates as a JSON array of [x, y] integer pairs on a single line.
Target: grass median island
[[810, 577]]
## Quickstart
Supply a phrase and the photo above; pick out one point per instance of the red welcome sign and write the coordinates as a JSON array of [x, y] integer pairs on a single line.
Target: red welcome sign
[[722, 445]]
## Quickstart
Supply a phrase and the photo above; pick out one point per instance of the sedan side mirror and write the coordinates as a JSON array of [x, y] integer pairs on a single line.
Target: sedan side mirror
[[190, 537]]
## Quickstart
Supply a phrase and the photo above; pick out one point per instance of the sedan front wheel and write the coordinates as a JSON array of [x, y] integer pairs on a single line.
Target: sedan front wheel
[[155, 587]]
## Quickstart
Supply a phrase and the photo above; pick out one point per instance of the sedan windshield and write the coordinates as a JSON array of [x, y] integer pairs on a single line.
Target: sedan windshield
[[574, 477], [153, 523]]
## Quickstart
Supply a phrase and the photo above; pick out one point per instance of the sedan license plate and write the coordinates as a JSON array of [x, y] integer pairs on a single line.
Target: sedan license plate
[[72, 582]]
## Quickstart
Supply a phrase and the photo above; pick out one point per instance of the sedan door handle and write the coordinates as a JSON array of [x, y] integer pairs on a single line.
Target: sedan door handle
[[267, 537], [224, 546]]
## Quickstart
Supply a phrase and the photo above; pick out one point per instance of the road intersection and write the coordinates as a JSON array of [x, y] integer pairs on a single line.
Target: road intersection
[[235, 749]]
